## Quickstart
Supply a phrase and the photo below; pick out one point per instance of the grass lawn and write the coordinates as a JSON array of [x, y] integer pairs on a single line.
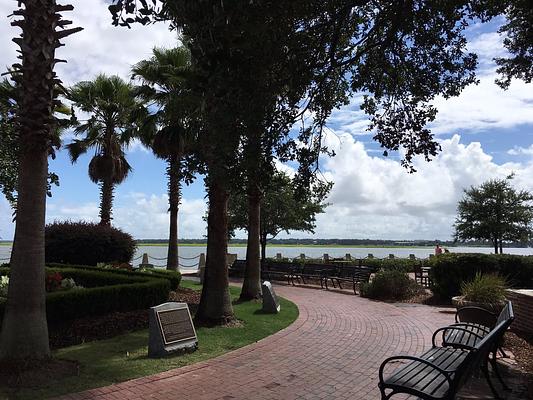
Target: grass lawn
[[125, 357]]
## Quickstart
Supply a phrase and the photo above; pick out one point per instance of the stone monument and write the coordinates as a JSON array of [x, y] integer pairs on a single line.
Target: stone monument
[[170, 330], [270, 300]]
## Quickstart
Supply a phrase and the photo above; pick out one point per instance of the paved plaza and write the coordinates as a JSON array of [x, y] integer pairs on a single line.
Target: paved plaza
[[332, 351]]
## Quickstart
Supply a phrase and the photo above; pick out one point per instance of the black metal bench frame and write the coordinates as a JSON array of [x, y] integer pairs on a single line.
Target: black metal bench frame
[[422, 275], [352, 274], [439, 366], [465, 335], [272, 271], [313, 271]]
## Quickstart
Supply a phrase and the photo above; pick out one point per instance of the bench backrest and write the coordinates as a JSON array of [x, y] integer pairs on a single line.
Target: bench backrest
[[484, 317], [313, 268], [279, 266], [480, 353], [506, 314]]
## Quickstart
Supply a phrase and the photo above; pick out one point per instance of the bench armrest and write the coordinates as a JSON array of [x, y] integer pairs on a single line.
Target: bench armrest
[[416, 359], [453, 328]]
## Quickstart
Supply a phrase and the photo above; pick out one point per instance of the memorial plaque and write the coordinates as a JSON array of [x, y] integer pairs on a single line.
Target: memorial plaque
[[171, 329], [270, 300]]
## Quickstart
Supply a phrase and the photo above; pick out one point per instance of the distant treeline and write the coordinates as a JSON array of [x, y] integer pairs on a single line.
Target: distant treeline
[[348, 242]]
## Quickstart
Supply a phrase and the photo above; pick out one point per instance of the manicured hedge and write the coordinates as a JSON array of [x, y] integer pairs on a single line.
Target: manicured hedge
[[448, 271], [174, 277], [87, 243], [104, 292]]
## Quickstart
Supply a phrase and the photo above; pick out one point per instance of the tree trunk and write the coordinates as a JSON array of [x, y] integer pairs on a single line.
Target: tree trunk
[[263, 241], [24, 328], [173, 202], [251, 287], [501, 246], [106, 202], [24, 333], [215, 303], [495, 243]]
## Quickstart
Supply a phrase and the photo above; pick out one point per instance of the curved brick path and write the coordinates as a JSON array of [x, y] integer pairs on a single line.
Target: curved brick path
[[332, 351]]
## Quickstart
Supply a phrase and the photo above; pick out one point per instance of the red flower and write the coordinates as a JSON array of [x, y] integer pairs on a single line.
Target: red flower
[[53, 281]]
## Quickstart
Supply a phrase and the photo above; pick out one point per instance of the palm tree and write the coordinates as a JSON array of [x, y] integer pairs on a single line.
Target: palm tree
[[24, 333], [111, 104], [168, 131]]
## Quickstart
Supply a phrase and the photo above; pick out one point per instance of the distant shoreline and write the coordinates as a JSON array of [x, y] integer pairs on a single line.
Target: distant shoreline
[[361, 246], [355, 246]]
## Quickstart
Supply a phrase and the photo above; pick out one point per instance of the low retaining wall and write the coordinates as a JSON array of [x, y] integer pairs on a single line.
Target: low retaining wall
[[523, 309]]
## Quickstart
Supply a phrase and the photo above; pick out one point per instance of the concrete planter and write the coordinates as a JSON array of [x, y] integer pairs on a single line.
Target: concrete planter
[[459, 301]]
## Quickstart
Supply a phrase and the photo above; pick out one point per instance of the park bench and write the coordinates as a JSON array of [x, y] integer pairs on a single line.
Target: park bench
[[465, 335], [422, 275], [440, 372], [354, 274], [278, 271], [313, 271], [237, 268]]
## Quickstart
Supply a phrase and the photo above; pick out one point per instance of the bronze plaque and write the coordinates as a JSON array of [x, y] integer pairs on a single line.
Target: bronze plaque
[[176, 325]]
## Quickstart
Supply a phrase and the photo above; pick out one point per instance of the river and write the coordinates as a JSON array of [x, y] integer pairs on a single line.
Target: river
[[189, 254]]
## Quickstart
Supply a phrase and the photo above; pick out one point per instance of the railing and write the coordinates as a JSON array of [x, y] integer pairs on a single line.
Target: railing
[[147, 261]]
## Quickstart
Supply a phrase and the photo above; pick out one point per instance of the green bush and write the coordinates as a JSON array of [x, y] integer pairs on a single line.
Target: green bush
[[174, 277], [487, 288], [399, 264], [104, 292], [390, 285], [449, 271], [87, 243]]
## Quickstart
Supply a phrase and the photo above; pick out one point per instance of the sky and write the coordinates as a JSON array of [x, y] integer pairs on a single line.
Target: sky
[[484, 133]]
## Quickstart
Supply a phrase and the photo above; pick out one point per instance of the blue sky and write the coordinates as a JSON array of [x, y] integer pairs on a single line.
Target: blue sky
[[485, 133]]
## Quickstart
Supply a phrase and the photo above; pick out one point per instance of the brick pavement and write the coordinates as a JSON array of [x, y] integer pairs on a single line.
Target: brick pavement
[[332, 351]]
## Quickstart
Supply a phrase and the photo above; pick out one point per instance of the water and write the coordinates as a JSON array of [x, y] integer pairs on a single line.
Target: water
[[158, 253]]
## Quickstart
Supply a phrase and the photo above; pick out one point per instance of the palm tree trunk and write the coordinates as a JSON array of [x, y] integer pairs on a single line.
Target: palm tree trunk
[[215, 303], [24, 328], [251, 288], [106, 202], [24, 332], [173, 201]]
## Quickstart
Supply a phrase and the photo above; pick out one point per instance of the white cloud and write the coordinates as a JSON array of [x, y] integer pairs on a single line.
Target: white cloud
[[479, 108], [99, 48], [143, 215], [517, 151], [375, 197]]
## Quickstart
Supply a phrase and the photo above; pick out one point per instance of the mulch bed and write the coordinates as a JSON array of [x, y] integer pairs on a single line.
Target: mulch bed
[[69, 333], [521, 344], [34, 374]]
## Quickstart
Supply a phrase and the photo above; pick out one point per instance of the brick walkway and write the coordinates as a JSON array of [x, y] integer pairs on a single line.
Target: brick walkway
[[332, 351]]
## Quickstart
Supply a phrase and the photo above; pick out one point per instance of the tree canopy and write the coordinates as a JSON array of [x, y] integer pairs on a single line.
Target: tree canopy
[[112, 107], [264, 66], [496, 212]]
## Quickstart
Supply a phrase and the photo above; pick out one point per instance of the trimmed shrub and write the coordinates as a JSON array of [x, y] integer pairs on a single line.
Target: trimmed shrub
[[390, 285], [449, 271], [174, 277], [104, 292], [488, 288], [87, 243]]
